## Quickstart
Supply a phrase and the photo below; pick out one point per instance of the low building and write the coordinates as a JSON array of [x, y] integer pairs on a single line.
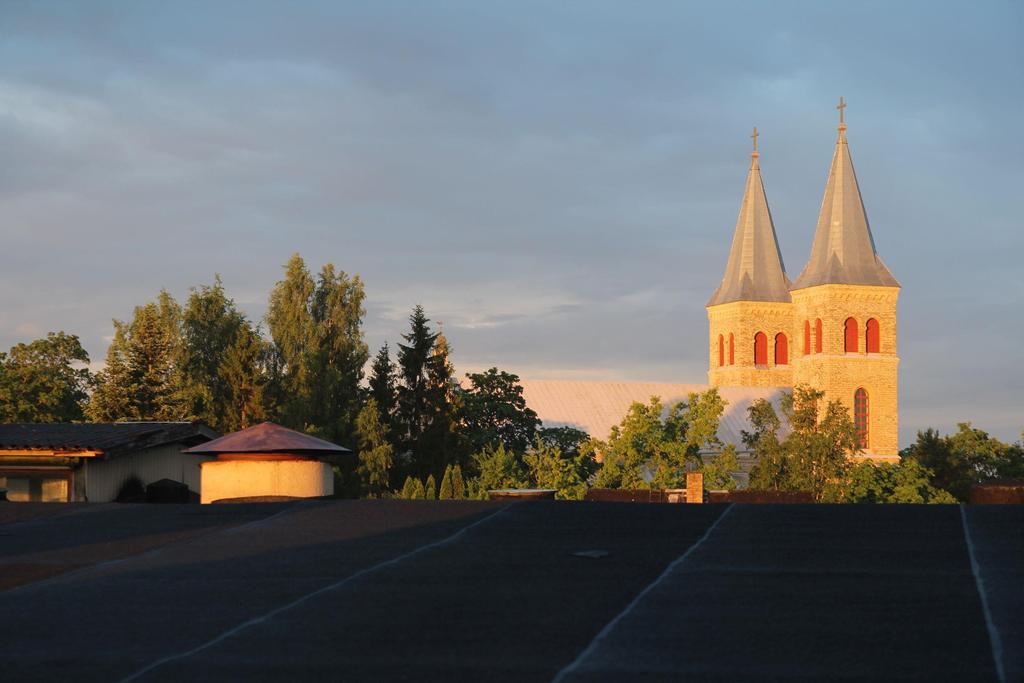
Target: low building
[[266, 460], [64, 462]]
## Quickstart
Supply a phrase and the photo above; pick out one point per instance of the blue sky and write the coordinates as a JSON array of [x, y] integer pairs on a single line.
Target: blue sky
[[558, 182]]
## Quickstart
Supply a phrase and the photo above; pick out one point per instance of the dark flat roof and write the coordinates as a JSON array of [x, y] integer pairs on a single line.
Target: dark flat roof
[[392, 590]]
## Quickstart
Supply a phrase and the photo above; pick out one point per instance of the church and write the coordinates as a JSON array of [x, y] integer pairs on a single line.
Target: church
[[833, 328]]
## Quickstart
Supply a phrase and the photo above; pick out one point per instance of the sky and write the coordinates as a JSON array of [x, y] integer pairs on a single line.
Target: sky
[[557, 182]]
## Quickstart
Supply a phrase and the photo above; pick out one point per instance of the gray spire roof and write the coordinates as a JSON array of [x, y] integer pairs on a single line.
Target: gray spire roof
[[844, 250], [755, 271]]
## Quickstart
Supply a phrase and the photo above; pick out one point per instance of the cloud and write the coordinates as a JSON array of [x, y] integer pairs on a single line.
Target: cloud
[[557, 182]]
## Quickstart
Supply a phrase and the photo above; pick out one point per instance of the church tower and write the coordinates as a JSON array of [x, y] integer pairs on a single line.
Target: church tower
[[750, 315], [844, 311]]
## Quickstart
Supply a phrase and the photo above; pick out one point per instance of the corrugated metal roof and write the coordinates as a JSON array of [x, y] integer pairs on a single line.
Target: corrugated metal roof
[[268, 438], [109, 437], [595, 407]]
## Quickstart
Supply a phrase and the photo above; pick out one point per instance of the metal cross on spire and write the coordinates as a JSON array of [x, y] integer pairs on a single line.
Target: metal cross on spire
[[754, 136], [842, 122]]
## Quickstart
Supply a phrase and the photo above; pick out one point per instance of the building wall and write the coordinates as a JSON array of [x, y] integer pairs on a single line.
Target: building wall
[[744, 319], [103, 478], [222, 479], [838, 373]]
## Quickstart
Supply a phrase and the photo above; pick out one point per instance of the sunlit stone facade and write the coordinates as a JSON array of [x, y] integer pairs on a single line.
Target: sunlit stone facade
[[834, 329]]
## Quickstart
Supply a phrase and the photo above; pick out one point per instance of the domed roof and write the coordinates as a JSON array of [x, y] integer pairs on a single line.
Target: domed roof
[[268, 438]]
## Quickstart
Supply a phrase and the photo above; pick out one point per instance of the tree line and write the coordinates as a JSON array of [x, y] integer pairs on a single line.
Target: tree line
[[420, 432]]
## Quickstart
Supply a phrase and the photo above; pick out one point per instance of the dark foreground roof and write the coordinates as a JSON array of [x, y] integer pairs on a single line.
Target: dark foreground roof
[[268, 437], [399, 590], [110, 437]]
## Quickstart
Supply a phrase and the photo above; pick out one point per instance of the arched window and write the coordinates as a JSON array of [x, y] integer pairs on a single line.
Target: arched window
[[851, 336], [817, 335], [781, 349], [732, 350], [807, 337], [860, 416], [760, 349], [873, 343], [721, 350]]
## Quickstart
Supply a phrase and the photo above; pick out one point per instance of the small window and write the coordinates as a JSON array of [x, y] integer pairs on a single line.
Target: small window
[[850, 345], [860, 416], [760, 349], [732, 350], [807, 337], [721, 350], [873, 343], [817, 335], [781, 349]]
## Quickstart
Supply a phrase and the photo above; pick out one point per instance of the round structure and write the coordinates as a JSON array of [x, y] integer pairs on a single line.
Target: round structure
[[266, 460]]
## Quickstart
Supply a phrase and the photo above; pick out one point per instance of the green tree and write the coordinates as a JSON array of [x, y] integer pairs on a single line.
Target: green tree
[[418, 491], [718, 471], [904, 482], [458, 483], [44, 380], [438, 444], [968, 457], [318, 350], [549, 468], [498, 468], [495, 412], [143, 378], [375, 453], [243, 371], [568, 440], [222, 360], [814, 456], [414, 409], [431, 488], [408, 489], [635, 445], [383, 385], [447, 491]]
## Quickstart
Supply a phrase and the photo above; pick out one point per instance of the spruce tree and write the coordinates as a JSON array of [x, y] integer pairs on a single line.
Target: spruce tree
[[409, 488], [447, 492], [143, 378], [244, 374], [418, 492], [222, 360], [458, 485], [431, 488], [413, 365], [375, 453], [438, 445], [382, 384]]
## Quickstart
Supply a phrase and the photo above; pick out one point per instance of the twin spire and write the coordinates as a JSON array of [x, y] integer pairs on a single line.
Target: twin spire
[[843, 250]]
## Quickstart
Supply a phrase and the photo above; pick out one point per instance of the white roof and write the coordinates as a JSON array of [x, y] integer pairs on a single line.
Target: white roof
[[595, 407]]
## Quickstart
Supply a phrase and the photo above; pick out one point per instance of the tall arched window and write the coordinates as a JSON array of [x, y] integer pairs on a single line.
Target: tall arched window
[[851, 336], [732, 350], [873, 342], [781, 349], [721, 350], [817, 335], [760, 349], [860, 416], [807, 337]]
